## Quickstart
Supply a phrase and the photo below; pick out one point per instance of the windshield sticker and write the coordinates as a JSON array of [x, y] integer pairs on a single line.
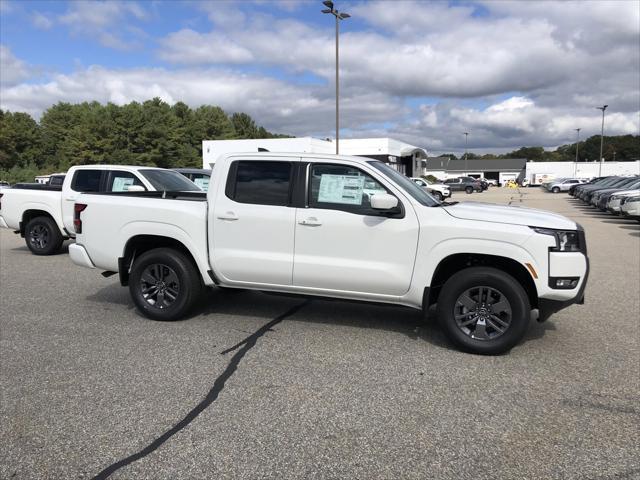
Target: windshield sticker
[[344, 189]]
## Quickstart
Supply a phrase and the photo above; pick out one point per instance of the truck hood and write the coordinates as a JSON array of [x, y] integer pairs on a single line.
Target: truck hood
[[489, 212]]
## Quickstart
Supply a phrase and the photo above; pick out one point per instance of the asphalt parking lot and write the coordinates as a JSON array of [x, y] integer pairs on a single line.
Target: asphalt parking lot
[[263, 386]]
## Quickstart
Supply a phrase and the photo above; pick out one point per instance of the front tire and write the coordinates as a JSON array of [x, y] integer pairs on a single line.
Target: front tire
[[438, 196], [483, 310], [555, 190], [164, 284], [43, 236], [469, 190]]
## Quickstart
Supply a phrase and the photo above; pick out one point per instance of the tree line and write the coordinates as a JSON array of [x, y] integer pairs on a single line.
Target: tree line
[[155, 133], [151, 133], [621, 148]]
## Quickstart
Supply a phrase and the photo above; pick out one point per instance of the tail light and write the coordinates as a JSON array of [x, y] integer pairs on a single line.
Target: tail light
[[78, 208]]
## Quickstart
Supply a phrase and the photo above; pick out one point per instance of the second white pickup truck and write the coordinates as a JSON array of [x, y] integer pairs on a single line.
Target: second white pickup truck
[[341, 227], [43, 214]]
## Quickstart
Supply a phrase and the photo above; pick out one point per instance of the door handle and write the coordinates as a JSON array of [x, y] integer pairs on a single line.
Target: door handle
[[229, 216], [310, 222], [70, 198]]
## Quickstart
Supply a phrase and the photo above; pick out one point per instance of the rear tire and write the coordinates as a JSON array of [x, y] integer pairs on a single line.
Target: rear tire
[[43, 236], [469, 190], [164, 284], [483, 310]]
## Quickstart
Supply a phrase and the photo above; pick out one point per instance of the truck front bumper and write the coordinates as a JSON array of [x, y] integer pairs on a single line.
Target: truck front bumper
[[548, 306], [79, 256]]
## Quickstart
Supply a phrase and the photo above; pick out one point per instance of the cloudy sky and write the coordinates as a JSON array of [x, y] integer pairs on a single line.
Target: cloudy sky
[[511, 74]]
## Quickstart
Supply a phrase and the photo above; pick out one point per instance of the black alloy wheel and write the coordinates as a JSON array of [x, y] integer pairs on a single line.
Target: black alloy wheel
[[42, 236]]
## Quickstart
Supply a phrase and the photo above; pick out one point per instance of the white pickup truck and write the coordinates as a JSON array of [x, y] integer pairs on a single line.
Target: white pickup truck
[[43, 214], [340, 227]]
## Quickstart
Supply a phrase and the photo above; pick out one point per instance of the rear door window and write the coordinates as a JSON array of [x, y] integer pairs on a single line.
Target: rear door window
[[86, 181], [258, 182]]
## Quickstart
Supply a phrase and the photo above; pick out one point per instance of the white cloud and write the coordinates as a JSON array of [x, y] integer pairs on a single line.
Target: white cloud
[[108, 21], [12, 69], [41, 21]]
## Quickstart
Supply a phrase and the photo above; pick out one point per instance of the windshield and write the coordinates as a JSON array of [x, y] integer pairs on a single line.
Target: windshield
[[167, 180], [409, 186]]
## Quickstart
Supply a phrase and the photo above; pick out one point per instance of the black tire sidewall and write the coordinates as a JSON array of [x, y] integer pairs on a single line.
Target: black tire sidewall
[[55, 238], [438, 196], [555, 190], [188, 276], [469, 190], [491, 277]]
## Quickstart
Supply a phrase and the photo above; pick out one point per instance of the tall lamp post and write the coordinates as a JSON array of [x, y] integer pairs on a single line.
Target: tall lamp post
[[466, 168], [339, 16], [575, 168], [603, 108]]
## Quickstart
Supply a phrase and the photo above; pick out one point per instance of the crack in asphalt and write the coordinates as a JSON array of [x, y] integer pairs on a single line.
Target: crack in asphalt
[[242, 348]]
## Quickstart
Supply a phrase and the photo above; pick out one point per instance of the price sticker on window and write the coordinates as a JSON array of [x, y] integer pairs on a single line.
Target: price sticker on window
[[343, 189]]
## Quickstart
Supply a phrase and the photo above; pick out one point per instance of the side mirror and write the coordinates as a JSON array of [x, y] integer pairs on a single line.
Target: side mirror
[[383, 201], [136, 188]]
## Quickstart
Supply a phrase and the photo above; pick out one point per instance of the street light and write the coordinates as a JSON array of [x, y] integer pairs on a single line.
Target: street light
[[466, 168], [575, 167], [603, 108], [339, 16]]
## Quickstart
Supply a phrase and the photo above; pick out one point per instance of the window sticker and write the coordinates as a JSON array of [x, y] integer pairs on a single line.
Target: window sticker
[[202, 182], [344, 189], [120, 184]]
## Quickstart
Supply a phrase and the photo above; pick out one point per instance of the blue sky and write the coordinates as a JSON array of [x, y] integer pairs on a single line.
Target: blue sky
[[511, 73]]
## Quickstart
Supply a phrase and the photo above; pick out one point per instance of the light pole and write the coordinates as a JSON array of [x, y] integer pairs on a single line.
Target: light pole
[[575, 167], [603, 108], [466, 137], [339, 16]]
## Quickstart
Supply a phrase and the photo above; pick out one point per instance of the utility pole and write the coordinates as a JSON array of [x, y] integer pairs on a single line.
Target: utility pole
[[339, 16], [575, 166], [603, 108], [466, 166]]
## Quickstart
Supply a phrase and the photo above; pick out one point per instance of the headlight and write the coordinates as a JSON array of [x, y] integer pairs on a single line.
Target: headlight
[[566, 240]]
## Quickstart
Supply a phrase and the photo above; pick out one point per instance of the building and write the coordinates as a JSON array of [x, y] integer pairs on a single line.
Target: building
[[405, 158], [536, 172], [500, 169]]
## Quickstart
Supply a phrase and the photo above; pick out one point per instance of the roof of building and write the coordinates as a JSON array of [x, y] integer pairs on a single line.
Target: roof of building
[[476, 164]]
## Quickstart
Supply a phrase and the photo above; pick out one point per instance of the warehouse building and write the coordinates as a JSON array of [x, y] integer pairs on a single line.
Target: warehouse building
[[500, 169], [407, 159]]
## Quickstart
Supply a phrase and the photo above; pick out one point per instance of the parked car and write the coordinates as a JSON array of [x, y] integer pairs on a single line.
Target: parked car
[[562, 185], [438, 190], [615, 201], [199, 176], [485, 266], [4, 185], [596, 195], [464, 184], [601, 199], [43, 213], [630, 207]]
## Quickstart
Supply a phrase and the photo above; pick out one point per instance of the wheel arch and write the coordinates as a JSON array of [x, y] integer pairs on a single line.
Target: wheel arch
[[460, 261], [31, 213], [139, 244]]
